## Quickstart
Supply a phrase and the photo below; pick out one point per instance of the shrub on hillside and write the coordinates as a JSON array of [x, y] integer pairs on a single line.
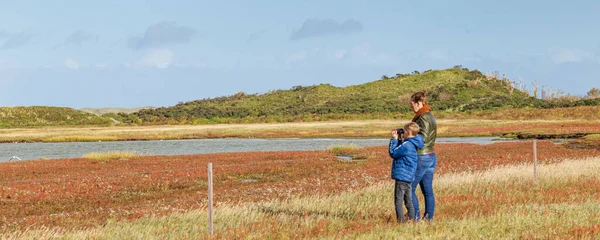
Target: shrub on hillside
[[593, 93]]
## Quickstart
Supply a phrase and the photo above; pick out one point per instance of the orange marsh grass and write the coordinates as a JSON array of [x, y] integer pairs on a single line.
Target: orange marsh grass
[[562, 204]]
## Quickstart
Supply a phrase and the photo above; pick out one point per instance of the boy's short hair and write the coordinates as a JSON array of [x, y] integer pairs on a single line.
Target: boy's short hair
[[412, 127]]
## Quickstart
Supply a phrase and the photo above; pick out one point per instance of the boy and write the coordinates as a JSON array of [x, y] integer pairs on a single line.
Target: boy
[[404, 167]]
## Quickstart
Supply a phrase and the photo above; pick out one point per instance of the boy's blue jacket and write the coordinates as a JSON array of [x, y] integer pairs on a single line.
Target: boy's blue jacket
[[405, 157]]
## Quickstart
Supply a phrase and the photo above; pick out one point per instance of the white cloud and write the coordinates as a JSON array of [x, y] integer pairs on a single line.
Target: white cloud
[[570, 56], [103, 66], [359, 54], [71, 63], [338, 55], [323, 27], [365, 54], [298, 56], [254, 36], [192, 65], [79, 37], [156, 58], [17, 40], [312, 55], [161, 34]]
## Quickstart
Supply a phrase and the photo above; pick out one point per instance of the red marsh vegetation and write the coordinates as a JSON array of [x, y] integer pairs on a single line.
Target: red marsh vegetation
[[76, 193]]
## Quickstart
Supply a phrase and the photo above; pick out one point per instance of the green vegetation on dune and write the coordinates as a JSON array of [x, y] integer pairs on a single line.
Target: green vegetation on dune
[[14, 117], [450, 90], [457, 92], [381, 96]]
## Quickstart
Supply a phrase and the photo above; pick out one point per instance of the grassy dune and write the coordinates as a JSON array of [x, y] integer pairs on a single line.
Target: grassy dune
[[499, 203], [37, 116], [455, 93]]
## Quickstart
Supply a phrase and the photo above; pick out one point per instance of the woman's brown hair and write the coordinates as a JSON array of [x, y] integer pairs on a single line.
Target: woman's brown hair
[[419, 97]]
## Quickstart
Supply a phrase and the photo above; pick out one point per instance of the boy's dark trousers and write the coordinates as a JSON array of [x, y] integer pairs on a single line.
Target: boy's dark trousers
[[402, 191]]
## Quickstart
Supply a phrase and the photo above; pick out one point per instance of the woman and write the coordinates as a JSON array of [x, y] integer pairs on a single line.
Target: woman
[[427, 159]]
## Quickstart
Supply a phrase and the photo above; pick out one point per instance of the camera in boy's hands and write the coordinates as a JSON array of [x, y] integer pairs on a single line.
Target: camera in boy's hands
[[400, 131]]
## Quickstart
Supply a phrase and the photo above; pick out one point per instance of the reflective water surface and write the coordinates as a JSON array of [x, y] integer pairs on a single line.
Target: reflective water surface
[[29, 151]]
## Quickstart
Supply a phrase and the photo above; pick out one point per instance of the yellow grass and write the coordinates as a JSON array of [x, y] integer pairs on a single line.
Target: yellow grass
[[110, 155], [593, 137], [359, 213], [521, 221], [366, 128], [343, 150]]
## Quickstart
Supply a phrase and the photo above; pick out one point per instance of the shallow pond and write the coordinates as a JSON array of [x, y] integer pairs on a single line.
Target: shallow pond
[[28, 151]]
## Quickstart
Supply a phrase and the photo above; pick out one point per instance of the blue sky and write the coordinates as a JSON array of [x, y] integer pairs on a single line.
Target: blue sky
[[157, 53]]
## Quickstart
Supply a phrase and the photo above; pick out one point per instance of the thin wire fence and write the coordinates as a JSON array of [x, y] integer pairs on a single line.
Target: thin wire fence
[[137, 206], [167, 206], [134, 206], [144, 172], [99, 210]]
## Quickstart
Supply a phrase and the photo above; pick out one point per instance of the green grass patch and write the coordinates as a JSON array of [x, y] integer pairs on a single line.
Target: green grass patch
[[343, 150], [592, 137], [110, 155]]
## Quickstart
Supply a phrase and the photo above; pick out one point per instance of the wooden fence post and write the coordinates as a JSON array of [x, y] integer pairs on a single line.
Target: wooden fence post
[[210, 200], [535, 161]]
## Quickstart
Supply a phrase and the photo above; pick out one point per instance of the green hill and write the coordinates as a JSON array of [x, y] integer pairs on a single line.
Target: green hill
[[450, 90], [14, 117]]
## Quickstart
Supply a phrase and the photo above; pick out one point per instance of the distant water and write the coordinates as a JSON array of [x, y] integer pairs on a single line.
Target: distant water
[[29, 151]]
